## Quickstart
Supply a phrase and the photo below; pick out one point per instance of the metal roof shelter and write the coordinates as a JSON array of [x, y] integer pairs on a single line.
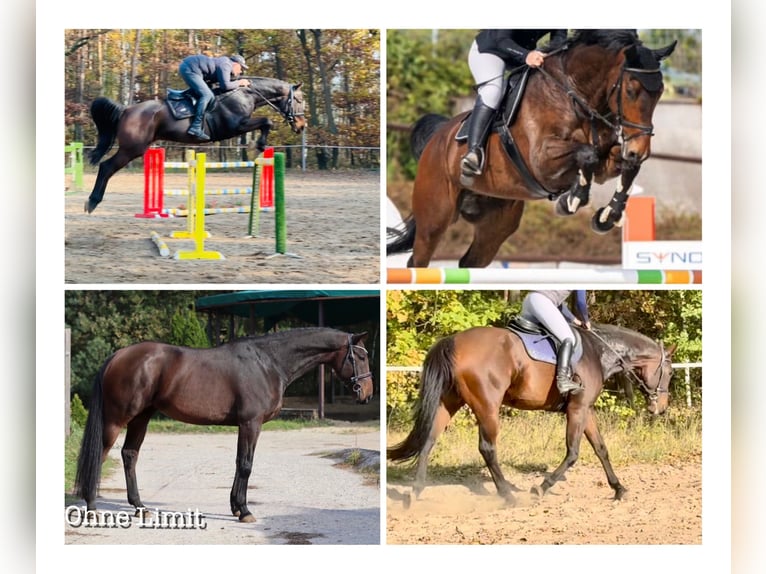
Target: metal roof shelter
[[340, 309]]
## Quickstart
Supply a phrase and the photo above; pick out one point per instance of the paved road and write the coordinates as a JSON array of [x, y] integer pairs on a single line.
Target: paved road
[[298, 494]]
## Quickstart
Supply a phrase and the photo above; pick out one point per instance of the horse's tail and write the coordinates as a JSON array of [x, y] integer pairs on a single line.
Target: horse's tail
[[92, 447], [405, 238], [423, 130], [106, 115], [436, 377]]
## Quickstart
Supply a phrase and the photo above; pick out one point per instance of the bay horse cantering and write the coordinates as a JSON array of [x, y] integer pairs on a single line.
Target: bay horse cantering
[[136, 127], [487, 367], [586, 115], [237, 384]]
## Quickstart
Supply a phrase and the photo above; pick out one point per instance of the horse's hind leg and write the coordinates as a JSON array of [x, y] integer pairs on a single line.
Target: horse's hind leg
[[134, 438], [248, 436], [599, 447], [434, 209], [491, 230], [444, 414], [105, 171]]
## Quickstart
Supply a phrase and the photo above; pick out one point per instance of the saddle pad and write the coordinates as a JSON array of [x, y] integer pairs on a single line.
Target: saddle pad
[[542, 346]]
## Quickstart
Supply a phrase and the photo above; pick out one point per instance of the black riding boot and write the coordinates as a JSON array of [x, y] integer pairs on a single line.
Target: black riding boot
[[478, 129], [196, 126], [564, 381]]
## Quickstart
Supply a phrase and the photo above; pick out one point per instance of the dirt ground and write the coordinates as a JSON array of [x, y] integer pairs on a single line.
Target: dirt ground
[[663, 506], [332, 221], [300, 490]]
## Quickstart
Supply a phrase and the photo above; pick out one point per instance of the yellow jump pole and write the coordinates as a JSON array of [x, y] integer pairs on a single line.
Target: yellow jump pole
[[197, 215]]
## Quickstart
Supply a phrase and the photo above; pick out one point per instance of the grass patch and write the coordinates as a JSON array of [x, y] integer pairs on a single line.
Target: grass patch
[[535, 442], [171, 426]]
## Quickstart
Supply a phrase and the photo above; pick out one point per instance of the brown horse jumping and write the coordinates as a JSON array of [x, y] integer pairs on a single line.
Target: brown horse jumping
[[486, 367], [586, 116], [136, 127], [237, 384]]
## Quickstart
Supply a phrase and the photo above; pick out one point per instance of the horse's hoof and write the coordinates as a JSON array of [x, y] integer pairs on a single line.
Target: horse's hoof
[[601, 223], [537, 491], [619, 493], [565, 207], [247, 518], [407, 500]]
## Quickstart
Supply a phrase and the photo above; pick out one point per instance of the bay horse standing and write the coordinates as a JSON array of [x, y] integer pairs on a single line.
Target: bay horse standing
[[586, 115], [136, 127], [237, 384], [487, 367]]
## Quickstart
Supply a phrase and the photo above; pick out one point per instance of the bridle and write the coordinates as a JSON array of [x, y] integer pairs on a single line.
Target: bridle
[[616, 123], [286, 109], [354, 380], [651, 394]]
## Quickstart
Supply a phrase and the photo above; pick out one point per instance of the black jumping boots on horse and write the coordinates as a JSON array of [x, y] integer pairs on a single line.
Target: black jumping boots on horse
[[564, 381], [472, 163], [196, 126]]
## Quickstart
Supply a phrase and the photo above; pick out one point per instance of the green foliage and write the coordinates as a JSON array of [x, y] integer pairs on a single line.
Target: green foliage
[[78, 415], [103, 321], [339, 70], [187, 330]]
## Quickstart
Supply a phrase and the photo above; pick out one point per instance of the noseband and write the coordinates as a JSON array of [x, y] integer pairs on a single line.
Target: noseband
[[355, 385]]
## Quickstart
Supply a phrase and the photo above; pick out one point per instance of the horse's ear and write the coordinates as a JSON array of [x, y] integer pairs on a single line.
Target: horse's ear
[[358, 337], [670, 350], [662, 53], [297, 86]]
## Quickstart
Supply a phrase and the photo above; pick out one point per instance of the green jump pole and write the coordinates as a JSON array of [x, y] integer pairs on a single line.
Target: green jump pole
[[75, 168], [280, 225]]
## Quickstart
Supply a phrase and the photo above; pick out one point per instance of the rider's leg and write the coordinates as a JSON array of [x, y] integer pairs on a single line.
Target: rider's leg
[[487, 70], [205, 96], [538, 306]]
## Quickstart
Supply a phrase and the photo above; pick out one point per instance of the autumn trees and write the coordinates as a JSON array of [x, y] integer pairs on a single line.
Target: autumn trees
[[339, 69]]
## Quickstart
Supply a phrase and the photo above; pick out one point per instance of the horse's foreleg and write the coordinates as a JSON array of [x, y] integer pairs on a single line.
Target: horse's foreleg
[[578, 195], [248, 436], [499, 220], [599, 447], [576, 421], [134, 438], [613, 214], [264, 125], [105, 171]]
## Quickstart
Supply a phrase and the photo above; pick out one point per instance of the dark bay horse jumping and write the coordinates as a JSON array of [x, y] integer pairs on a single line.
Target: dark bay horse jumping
[[486, 367], [586, 115], [137, 126], [237, 384]]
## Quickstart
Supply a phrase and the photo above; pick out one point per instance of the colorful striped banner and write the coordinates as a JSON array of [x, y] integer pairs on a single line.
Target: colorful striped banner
[[452, 276]]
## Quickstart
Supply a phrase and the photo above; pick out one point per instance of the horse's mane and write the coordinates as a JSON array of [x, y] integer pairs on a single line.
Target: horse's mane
[[611, 40]]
